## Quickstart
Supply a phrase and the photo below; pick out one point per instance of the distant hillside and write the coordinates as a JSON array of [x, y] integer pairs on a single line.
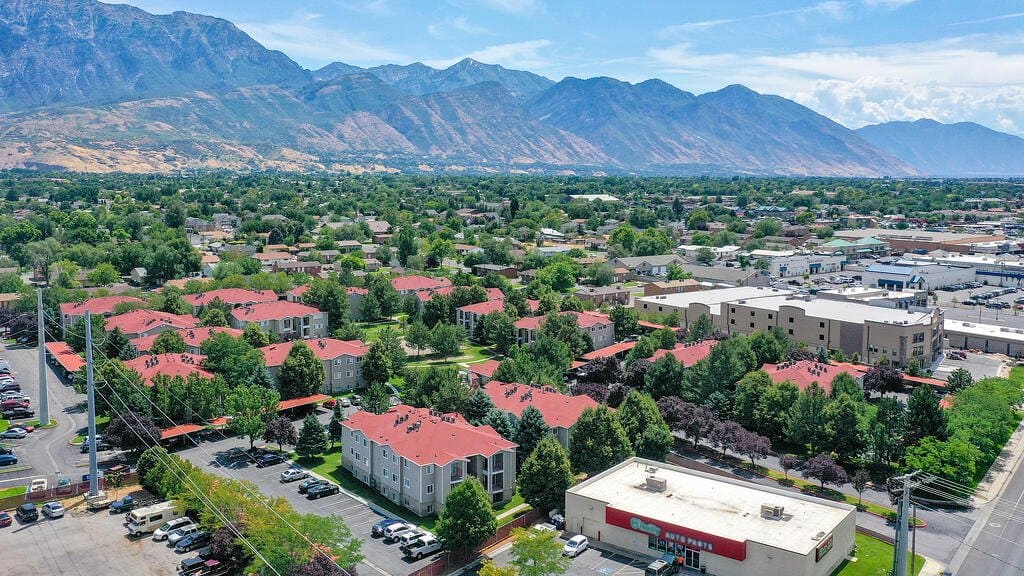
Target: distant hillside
[[961, 149]]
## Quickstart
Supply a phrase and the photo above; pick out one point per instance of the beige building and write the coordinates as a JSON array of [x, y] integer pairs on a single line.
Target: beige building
[[416, 456], [342, 360], [710, 524], [599, 326], [289, 320]]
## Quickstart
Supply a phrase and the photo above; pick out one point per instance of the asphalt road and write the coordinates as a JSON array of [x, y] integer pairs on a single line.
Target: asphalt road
[[995, 547]]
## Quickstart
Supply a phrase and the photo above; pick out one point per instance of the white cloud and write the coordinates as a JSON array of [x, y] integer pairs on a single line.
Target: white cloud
[[999, 18], [456, 26], [519, 55], [832, 9], [305, 38]]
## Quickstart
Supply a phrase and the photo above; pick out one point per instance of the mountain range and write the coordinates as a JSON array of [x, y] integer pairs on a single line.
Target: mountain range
[[100, 87]]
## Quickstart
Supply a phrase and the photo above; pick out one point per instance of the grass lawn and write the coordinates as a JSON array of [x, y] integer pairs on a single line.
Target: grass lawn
[[12, 491], [372, 329], [101, 423], [874, 558], [471, 354], [329, 466], [4, 424], [515, 501], [1017, 375]]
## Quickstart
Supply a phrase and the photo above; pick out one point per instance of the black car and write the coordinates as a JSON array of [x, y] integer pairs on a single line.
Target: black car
[[101, 446], [309, 483], [378, 529], [18, 413], [27, 512], [268, 460], [321, 490], [192, 541]]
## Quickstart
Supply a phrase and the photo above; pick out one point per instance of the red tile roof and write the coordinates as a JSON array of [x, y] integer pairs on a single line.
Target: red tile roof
[[438, 439], [232, 296], [65, 356], [272, 311], [483, 308], [267, 256], [651, 325], [179, 430], [584, 319], [170, 365], [804, 372], [101, 305], [324, 348], [403, 283], [559, 410], [933, 382], [140, 321], [304, 401], [298, 291], [193, 337], [688, 353], [424, 295], [486, 368], [610, 350], [355, 290]]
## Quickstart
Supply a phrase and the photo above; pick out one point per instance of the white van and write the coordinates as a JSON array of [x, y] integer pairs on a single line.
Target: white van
[[410, 537], [148, 519], [170, 526]]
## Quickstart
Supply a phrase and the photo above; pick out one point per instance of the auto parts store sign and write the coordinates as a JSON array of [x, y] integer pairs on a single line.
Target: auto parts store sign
[[688, 537]]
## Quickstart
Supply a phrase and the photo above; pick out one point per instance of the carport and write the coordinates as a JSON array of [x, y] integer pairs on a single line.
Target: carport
[[294, 403], [65, 357]]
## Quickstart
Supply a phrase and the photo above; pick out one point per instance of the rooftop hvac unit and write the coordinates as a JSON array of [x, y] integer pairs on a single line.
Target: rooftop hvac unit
[[772, 512], [656, 484]]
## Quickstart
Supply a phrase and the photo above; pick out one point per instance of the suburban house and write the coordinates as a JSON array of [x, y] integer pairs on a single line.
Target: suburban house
[[601, 295], [342, 360], [233, 297], [416, 456], [270, 259], [104, 306], [144, 322], [289, 320], [469, 315], [560, 411], [599, 326], [309, 268], [500, 269], [410, 284], [193, 337], [649, 265], [169, 365]]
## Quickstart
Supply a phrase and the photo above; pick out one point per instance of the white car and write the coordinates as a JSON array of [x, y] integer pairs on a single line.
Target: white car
[[53, 510], [14, 395], [37, 484], [345, 402], [293, 474], [163, 531], [14, 433], [181, 532], [575, 545]]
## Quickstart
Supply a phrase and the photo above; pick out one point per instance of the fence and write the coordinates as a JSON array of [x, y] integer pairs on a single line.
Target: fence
[[62, 492], [452, 560]]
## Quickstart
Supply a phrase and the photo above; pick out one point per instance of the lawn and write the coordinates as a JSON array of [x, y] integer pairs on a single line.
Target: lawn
[[371, 329], [101, 423], [12, 491], [1017, 375], [4, 424], [471, 354], [874, 558]]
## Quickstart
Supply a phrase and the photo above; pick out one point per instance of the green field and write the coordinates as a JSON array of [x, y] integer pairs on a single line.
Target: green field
[[874, 558], [12, 491]]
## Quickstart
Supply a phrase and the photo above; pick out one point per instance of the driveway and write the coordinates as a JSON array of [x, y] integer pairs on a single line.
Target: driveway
[[591, 561]]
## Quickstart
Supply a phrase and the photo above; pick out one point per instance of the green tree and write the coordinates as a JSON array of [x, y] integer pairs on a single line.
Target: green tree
[[376, 400], [418, 336], [560, 275], [844, 385], [232, 358], [302, 372], [750, 392], [117, 345], [172, 302], [598, 442], [700, 329], [169, 342], [924, 416], [626, 322], [530, 429], [958, 380], [538, 553], [389, 338], [773, 410], [75, 335], [665, 378], [886, 430], [447, 339], [215, 317], [468, 518], [502, 424], [255, 336], [843, 428], [806, 424], [377, 364], [565, 328], [312, 438], [706, 255], [546, 475], [766, 348], [644, 426], [477, 406], [132, 432], [451, 395], [104, 274], [406, 243], [329, 296], [954, 459], [500, 331], [251, 408], [335, 430]]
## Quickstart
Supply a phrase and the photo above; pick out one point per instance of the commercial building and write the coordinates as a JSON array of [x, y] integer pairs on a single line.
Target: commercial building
[[985, 337], [994, 270], [289, 320], [709, 523], [902, 299], [920, 241], [911, 275], [415, 456], [649, 266], [858, 248], [671, 287], [342, 360], [560, 411], [790, 263]]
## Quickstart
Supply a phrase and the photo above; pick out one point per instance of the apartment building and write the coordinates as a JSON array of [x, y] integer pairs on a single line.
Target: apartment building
[[410, 284], [560, 411], [233, 297], [416, 456], [141, 323], [649, 265], [289, 320], [601, 295], [470, 315], [104, 306], [169, 365], [355, 298], [342, 360], [599, 326], [193, 337]]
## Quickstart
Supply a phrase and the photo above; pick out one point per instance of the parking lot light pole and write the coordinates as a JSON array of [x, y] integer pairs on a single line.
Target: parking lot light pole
[[44, 408], [94, 481]]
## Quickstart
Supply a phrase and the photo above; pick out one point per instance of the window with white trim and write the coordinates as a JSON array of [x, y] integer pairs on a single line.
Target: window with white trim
[[430, 488]]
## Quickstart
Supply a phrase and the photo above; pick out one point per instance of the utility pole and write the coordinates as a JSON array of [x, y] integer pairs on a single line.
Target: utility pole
[[94, 481], [903, 524], [44, 407]]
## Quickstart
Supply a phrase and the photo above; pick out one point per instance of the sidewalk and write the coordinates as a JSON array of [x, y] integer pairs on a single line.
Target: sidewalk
[[1004, 466]]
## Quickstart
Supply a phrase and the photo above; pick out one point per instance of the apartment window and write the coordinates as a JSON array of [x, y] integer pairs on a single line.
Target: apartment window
[[384, 453], [751, 324], [885, 350], [429, 469], [353, 433], [348, 374], [405, 463], [349, 360], [394, 458], [659, 308], [790, 331], [364, 442], [430, 488], [770, 315], [384, 473], [790, 319], [821, 324], [732, 309], [821, 336], [732, 320], [751, 313], [407, 483], [394, 478]]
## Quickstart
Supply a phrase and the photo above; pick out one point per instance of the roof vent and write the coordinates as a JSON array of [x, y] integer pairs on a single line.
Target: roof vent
[[772, 512], [656, 484]]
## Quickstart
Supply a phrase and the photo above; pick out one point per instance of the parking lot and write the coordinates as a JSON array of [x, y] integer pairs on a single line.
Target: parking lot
[[955, 308], [592, 561], [979, 365], [227, 458]]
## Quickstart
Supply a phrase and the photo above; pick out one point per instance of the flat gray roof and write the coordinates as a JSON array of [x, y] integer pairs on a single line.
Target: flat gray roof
[[844, 310], [713, 297]]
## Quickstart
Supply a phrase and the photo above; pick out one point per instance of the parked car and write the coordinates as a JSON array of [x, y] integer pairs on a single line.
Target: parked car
[[24, 427], [53, 510], [575, 546], [345, 402], [357, 400], [411, 536], [5, 520], [421, 547], [378, 529], [8, 459], [37, 484], [27, 512], [268, 460], [18, 414], [101, 445], [306, 485], [293, 474], [16, 433], [165, 530], [394, 531], [329, 403], [125, 504], [13, 404], [176, 535], [321, 490], [192, 541]]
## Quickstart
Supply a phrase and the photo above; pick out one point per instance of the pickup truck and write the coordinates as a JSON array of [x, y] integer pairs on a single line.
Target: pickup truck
[[425, 546]]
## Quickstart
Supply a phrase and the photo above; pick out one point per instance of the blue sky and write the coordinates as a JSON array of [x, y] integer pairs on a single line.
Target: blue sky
[[856, 61]]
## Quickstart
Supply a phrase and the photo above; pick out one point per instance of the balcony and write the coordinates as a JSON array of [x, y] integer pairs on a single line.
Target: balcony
[[497, 483], [497, 464]]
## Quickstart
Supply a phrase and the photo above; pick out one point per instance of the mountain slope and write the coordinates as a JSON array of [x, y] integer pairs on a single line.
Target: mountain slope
[[418, 79], [964, 148], [74, 51]]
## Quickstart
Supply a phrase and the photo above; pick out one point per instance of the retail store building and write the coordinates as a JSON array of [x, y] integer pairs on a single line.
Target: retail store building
[[709, 523]]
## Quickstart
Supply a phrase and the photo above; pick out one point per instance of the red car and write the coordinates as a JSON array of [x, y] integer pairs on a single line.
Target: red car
[[24, 427], [5, 519], [330, 403]]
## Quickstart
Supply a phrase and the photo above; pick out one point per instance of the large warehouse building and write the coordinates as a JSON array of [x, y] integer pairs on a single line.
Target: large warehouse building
[[709, 523]]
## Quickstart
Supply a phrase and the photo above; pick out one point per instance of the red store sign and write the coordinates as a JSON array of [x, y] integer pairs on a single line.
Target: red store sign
[[688, 537]]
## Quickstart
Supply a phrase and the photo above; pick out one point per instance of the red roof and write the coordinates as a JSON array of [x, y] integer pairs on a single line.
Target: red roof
[[933, 382], [272, 311], [427, 437], [610, 350], [415, 283], [305, 400], [68, 358], [101, 305], [687, 353], [424, 295], [355, 290], [179, 430], [169, 365], [584, 319], [232, 296], [804, 372], [193, 337], [486, 368], [299, 291], [141, 321], [559, 410], [324, 348], [651, 325], [483, 308], [267, 256]]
